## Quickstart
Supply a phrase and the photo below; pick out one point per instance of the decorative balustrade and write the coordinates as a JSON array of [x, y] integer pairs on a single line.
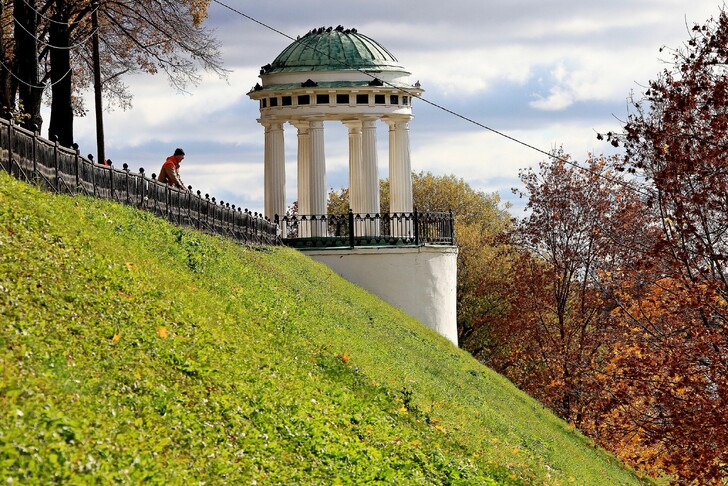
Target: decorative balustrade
[[351, 230], [31, 158]]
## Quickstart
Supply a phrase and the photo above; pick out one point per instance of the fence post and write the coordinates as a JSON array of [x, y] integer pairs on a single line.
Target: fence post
[[223, 215], [351, 228], [231, 215], [417, 228], [207, 210], [214, 210], [54, 139], [93, 172], [11, 131], [199, 209], [233, 225], [189, 205], [125, 166], [260, 228], [452, 229], [11, 140], [111, 181], [76, 166], [179, 207], [35, 157], [143, 202], [168, 202]]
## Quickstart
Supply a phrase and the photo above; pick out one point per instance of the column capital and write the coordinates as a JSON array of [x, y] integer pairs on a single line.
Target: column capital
[[310, 119], [316, 122], [352, 125], [369, 122], [301, 125], [394, 120], [271, 123]]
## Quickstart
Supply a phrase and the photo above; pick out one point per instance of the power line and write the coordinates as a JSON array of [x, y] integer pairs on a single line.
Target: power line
[[33, 86], [38, 39], [53, 21], [447, 110]]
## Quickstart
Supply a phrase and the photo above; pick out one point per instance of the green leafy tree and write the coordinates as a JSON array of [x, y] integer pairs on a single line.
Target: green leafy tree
[[479, 219]]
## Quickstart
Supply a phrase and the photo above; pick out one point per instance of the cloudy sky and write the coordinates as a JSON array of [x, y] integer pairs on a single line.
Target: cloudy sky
[[549, 74]]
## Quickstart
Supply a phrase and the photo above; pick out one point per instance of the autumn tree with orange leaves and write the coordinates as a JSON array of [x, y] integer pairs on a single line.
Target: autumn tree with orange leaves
[[618, 310], [669, 376], [557, 328]]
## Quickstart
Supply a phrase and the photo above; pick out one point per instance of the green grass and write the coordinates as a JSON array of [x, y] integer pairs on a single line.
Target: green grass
[[136, 351]]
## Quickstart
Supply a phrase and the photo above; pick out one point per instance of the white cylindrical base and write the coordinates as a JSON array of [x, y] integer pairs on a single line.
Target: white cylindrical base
[[421, 281]]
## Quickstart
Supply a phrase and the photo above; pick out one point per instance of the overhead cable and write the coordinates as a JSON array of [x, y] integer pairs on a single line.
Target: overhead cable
[[33, 86], [38, 39], [53, 21]]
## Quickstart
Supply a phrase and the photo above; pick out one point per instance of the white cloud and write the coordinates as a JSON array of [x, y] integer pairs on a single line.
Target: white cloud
[[557, 99], [465, 72]]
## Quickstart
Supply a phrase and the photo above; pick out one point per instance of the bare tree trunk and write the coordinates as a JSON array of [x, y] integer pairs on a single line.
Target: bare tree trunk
[[61, 123], [98, 99], [30, 92], [6, 102]]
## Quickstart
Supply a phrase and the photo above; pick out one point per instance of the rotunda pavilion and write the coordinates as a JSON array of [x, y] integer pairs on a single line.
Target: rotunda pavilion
[[335, 74], [339, 75]]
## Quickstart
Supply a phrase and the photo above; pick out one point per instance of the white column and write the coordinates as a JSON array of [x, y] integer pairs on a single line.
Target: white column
[[274, 169], [369, 176], [318, 175], [304, 178], [400, 174], [355, 169]]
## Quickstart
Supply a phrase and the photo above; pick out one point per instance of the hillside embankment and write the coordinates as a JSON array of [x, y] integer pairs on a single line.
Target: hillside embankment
[[134, 351]]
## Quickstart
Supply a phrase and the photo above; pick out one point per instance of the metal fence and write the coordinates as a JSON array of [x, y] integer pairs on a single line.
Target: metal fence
[[350, 230], [31, 158]]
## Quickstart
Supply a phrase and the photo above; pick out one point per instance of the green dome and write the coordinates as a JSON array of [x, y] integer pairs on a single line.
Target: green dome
[[333, 49]]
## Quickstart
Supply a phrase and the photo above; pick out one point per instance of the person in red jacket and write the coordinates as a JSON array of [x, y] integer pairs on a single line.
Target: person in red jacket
[[170, 170]]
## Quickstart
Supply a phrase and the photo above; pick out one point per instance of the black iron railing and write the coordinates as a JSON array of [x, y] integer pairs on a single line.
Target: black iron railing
[[350, 230], [31, 158]]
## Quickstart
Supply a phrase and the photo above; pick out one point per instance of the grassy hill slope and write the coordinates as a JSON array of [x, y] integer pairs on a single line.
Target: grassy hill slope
[[135, 351]]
